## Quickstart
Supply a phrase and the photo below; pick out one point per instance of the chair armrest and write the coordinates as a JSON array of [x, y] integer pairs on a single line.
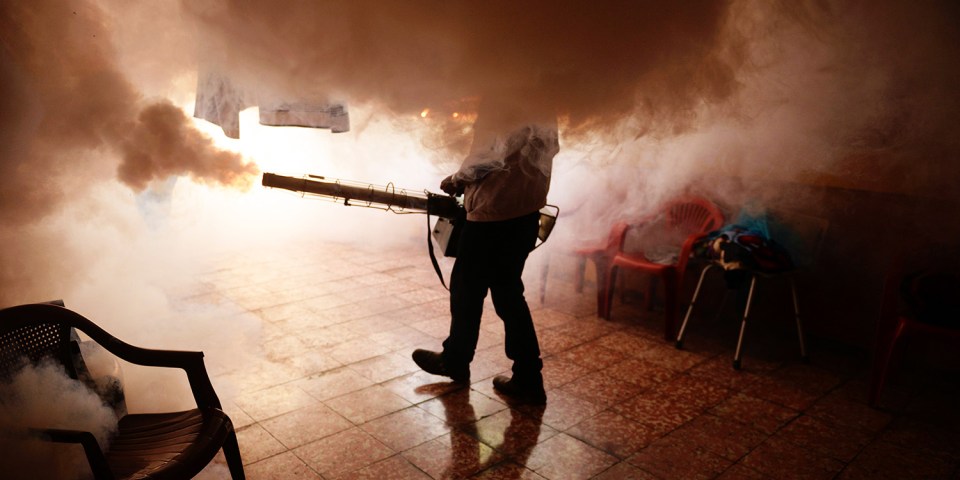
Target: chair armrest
[[687, 247], [190, 362], [95, 456], [685, 251]]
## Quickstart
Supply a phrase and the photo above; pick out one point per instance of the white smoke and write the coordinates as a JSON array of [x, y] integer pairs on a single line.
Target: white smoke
[[44, 397]]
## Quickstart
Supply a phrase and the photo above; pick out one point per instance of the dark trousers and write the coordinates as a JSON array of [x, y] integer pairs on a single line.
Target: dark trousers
[[490, 256]]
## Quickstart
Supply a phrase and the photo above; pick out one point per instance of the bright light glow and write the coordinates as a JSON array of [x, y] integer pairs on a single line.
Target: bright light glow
[[377, 154], [424, 113]]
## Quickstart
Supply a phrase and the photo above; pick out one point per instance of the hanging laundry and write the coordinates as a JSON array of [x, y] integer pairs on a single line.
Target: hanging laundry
[[306, 114], [220, 100]]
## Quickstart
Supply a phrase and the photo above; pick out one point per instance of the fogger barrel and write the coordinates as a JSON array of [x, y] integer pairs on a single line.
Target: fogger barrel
[[451, 216], [440, 205]]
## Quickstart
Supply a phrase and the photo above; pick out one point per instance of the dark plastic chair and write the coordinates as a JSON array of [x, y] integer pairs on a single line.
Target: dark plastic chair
[[934, 313], [176, 445], [688, 218]]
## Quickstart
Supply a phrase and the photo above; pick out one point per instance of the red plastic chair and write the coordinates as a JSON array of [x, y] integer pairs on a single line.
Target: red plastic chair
[[600, 255], [690, 217], [897, 325]]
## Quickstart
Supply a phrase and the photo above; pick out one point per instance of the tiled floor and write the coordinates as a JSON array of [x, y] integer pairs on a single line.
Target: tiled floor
[[333, 393]]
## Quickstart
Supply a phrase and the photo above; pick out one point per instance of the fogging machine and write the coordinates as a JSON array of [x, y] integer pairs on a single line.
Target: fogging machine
[[447, 208]]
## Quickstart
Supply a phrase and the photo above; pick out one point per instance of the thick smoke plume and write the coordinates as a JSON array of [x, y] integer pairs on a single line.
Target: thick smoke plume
[[71, 124], [163, 143], [848, 94], [589, 63], [69, 113], [852, 94]]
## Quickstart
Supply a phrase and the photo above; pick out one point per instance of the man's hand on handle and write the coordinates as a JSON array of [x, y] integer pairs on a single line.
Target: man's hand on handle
[[451, 186]]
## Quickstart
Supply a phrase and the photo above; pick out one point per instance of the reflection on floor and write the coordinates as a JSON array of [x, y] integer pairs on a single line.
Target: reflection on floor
[[334, 393]]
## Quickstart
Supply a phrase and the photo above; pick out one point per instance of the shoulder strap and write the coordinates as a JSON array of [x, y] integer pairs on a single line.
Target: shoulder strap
[[433, 256]]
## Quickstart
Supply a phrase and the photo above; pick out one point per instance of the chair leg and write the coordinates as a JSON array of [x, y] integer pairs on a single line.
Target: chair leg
[[231, 450], [881, 363], [693, 301], [578, 275], [743, 324], [603, 284], [543, 279], [651, 295], [796, 314], [671, 292], [607, 297]]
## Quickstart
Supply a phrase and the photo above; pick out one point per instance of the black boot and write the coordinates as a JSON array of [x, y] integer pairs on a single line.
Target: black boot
[[528, 391], [432, 362]]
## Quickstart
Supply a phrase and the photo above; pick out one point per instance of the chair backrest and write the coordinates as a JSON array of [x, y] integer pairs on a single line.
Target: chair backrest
[[924, 286], [45, 338], [660, 239], [691, 215], [31, 344]]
